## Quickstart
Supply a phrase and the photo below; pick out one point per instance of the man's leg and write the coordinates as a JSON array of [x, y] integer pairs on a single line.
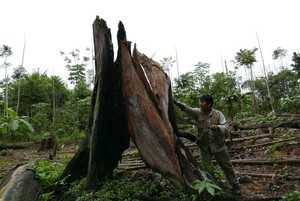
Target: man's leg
[[223, 160], [205, 156]]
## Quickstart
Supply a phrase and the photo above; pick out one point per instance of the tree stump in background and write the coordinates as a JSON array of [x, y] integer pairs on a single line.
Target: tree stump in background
[[47, 143]]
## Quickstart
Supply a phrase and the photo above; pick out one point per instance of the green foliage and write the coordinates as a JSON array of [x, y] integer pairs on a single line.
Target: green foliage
[[48, 171], [246, 57], [75, 135], [273, 149], [46, 196], [214, 171], [296, 64], [125, 185], [290, 104], [10, 123], [76, 65], [295, 196], [207, 186]]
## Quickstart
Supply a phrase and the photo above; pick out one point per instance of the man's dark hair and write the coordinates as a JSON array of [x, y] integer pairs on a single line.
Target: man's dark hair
[[207, 98]]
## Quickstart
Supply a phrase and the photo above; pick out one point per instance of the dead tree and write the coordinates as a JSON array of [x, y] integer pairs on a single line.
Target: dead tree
[[132, 97]]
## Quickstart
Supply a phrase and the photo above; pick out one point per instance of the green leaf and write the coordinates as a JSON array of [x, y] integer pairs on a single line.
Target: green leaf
[[11, 113], [28, 125], [4, 129], [14, 124], [200, 190], [210, 190]]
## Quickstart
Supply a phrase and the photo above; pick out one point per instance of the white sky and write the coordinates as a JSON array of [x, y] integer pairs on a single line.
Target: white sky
[[201, 31]]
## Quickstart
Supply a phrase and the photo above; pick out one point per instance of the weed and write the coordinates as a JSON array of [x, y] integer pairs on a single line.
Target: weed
[[273, 150], [295, 196], [48, 171]]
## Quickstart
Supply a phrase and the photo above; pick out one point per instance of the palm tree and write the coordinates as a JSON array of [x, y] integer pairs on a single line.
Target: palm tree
[[279, 53], [167, 63], [247, 58], [18, 73], [6, 52]]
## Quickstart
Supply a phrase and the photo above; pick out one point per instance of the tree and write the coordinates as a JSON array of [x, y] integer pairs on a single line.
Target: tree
[[18, 73], [185, 89], [6, 52], [283, 85], [201, 71], [247, 58], [296, 64], [279, 53], [76, 66], [167, 63]]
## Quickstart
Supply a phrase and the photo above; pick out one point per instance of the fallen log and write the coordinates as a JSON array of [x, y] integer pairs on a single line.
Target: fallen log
[[256, 174], [288, 124], [273, 176], [266, 161], [12, 146], [21, 185], [264, 144], [264, 198]]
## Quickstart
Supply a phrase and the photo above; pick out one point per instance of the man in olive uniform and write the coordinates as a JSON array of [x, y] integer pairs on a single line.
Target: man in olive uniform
[[212, 127]]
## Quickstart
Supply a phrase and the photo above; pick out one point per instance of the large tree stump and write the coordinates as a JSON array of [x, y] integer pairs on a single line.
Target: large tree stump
[[21, 185], [132, 96]]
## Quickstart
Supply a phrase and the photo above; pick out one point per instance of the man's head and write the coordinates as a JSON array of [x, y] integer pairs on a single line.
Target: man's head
[[206, 101]]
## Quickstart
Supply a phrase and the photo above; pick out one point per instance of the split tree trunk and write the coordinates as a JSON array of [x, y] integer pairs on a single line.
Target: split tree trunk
[[107, 136], [132, 96]]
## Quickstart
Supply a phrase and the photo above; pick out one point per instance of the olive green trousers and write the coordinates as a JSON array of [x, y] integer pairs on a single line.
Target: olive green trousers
[[223, 160]]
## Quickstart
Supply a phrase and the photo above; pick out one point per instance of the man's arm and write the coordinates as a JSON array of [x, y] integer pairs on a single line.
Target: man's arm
[[179, 104], [194, 112], [222, 126]]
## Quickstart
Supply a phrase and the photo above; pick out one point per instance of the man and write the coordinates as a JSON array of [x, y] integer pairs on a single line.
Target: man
[[212, 127]]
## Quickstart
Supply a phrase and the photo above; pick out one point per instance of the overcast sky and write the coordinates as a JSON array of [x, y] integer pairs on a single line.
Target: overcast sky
[[200, 31]]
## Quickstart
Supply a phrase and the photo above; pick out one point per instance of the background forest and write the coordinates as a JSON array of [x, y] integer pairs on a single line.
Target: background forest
[[48, 105], [36, 105]]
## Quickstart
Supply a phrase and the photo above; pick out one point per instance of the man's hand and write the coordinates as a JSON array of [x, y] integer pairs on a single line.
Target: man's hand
[[214, 127], [178, 104]]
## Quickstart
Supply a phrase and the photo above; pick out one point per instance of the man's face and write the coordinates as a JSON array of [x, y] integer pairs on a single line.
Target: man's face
[[204, 105]]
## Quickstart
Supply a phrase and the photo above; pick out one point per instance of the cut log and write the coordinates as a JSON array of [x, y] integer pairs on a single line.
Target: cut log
[[21, 185]]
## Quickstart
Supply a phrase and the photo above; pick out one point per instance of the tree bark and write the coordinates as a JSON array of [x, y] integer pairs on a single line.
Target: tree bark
[[15, 186]]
